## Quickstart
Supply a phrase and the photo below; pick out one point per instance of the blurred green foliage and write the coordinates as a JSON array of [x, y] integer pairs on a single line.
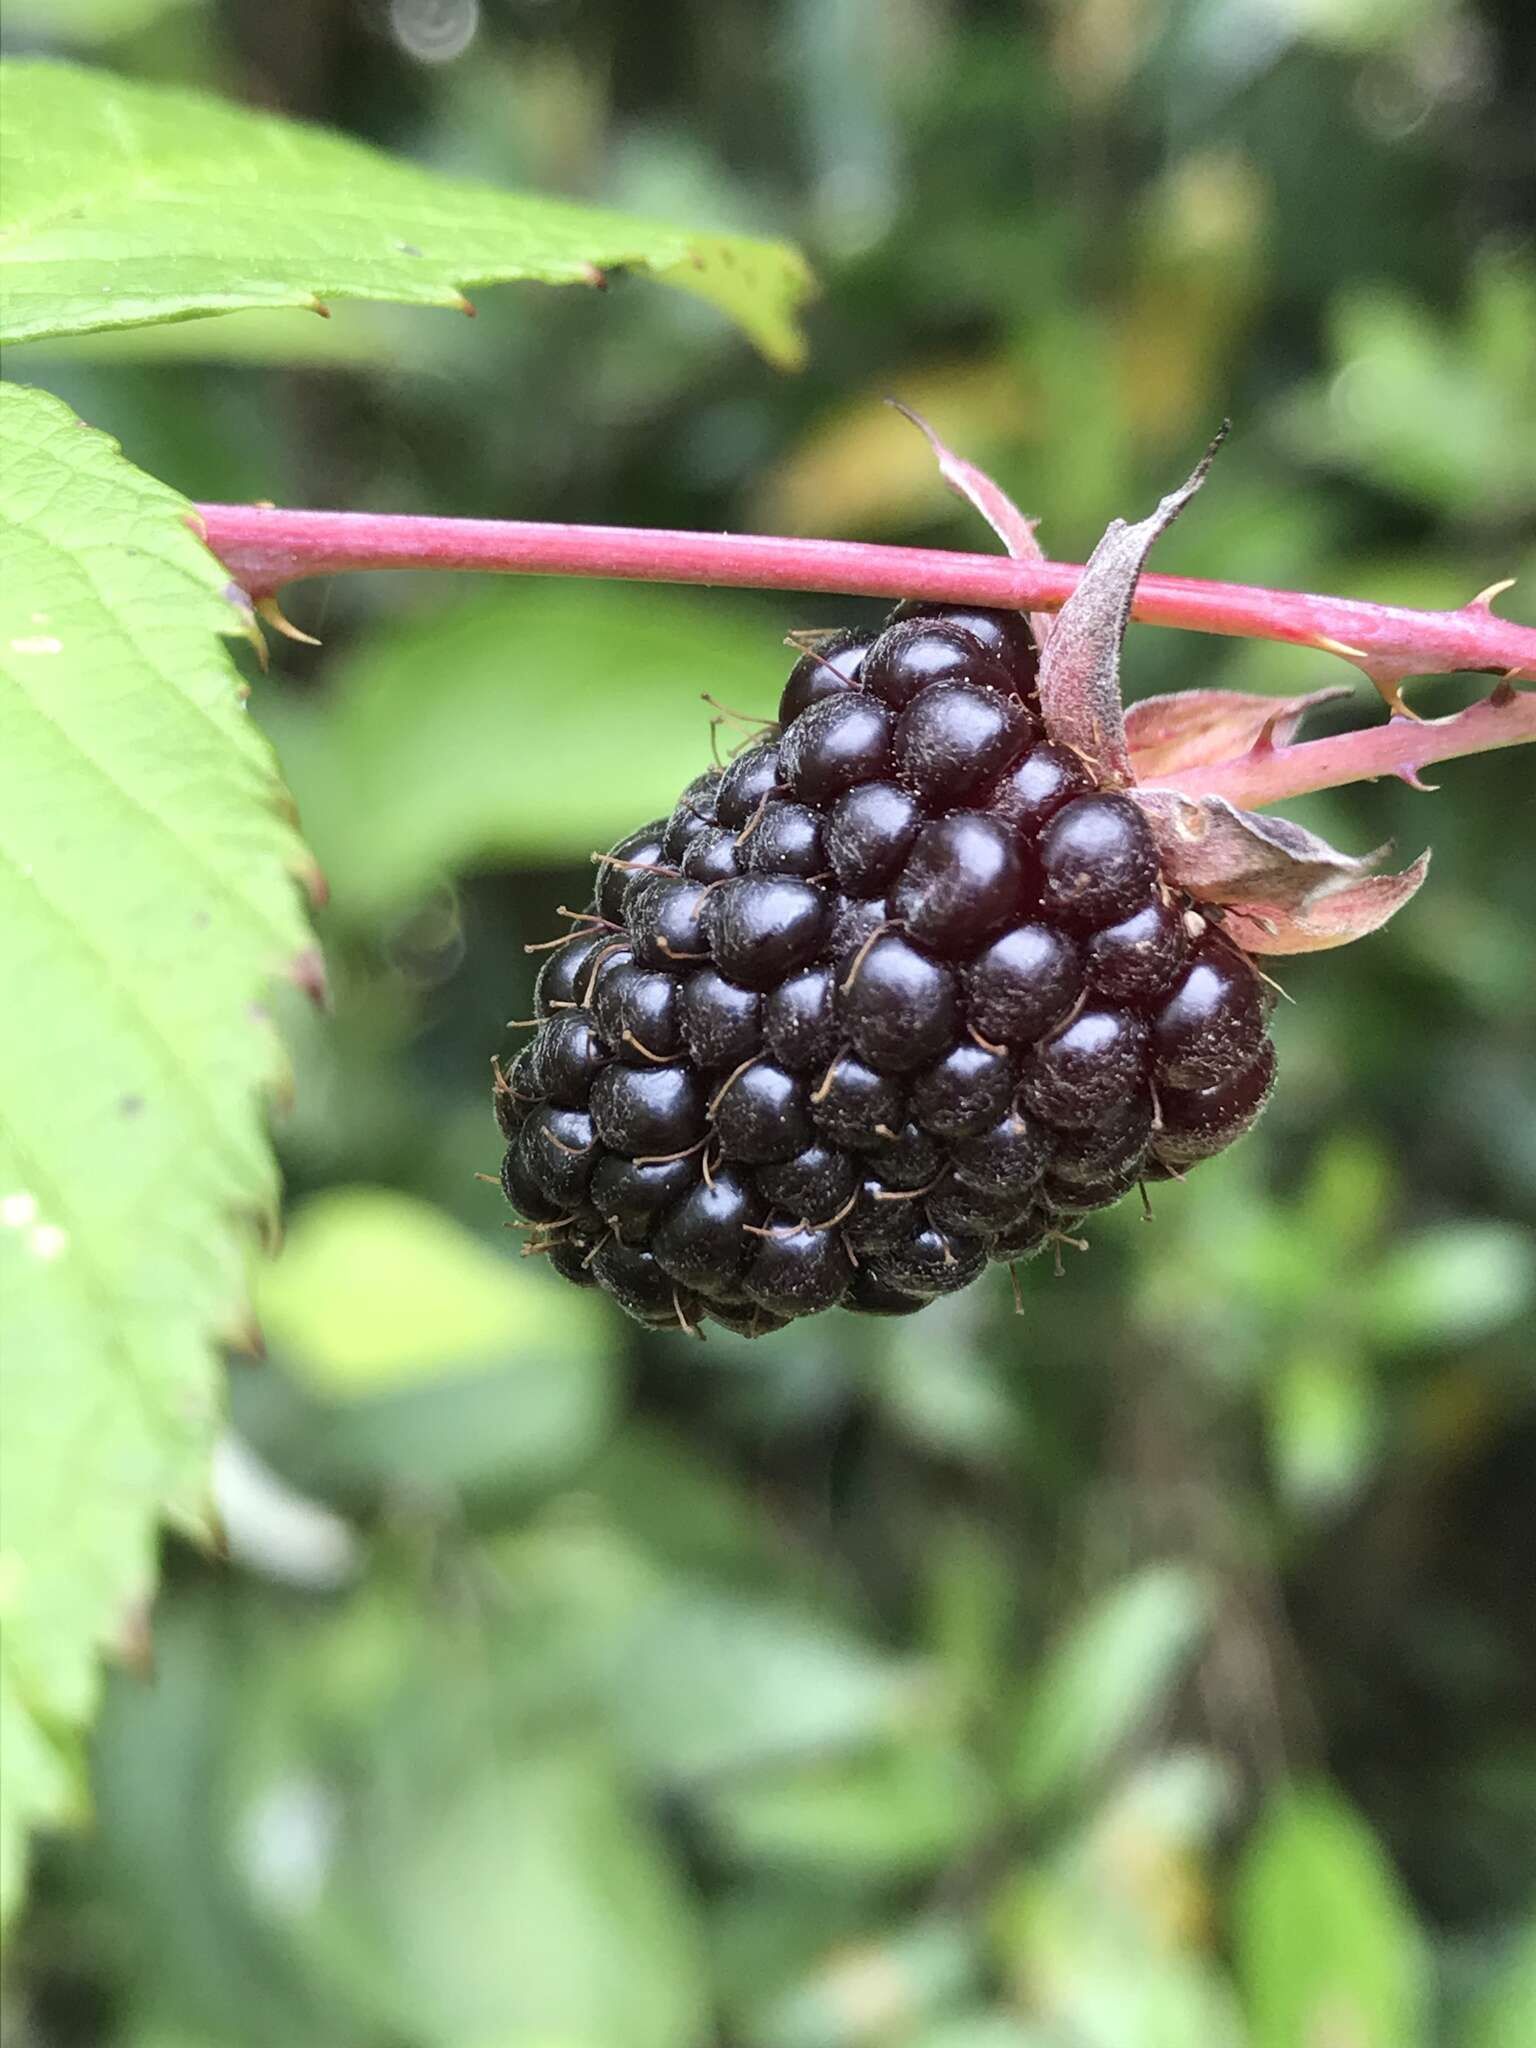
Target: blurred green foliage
[[1155, 1669]]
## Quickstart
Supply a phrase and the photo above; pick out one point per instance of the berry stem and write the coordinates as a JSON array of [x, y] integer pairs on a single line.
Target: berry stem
[[1269, 774], [265, 547]]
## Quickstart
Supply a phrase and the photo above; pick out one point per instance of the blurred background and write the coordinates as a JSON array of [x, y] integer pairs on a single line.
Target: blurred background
[[1152, 1669]]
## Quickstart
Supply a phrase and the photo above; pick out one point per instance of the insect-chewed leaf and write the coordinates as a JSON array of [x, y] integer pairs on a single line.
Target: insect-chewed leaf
[[1333, 917], [1080, 668], [1223, 855], [1197, 728], [1013, 528]]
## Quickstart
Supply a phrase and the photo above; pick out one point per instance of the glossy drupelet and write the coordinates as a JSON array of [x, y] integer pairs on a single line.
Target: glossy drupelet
[[897, 992]]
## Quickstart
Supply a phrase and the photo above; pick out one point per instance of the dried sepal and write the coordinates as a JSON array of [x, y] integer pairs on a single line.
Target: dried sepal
[[1080, 668], [1198, 728], [1278, 888], [1282, 889], [1013, 528], [1332, 917], [1223, 855]]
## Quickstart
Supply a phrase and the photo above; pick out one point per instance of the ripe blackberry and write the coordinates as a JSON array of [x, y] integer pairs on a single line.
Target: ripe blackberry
[[761, 1115], [962, 880], [900, 991], [869, 833]]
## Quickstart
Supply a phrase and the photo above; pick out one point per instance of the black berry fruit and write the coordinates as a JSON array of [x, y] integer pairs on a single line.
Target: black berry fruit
[[955, 736], [961, 881], [900, 991], [914, 654], [800, 1024], [702, 1240], [745, 786], [869, 833], [627, 863], [648, 1112], [797, 1270], [786, 840], [1024, 982], [1084, 1070], [761, 927], [835, 744], [1097, 859], [760, 1114], [814, 1185], [1212, 1025], [1139, 956], [855, 1106], [832, 667], [899, 1006], [722, 1024]]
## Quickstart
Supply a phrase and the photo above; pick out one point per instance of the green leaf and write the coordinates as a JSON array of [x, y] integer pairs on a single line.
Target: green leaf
[[1107, 1678], [89, 21], [341, 1824], [982, 2029], [531, 723], [1109, 1938], [878, 1990], [413, 1357], [127, 203], [510, 1431], [1438, 412], [524, 1899], [145, 899], [1324, 1425], [708, 1684], [1328, 1948], [376, 1290], [1451, 1285], [896, 1810], [1505, 2017], [1097, 1985], [356, 337]]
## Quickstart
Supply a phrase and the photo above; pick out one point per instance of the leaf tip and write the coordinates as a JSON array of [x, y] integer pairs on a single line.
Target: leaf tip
[[133, 1643], [244, 1338], [312, 876], [306, 970]]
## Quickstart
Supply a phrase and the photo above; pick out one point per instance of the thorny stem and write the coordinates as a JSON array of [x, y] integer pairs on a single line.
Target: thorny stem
[[1268, 775], [265, 547]]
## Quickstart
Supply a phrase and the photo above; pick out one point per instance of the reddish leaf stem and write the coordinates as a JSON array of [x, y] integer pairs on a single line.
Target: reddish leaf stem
[[266, 547], [1403, 746]]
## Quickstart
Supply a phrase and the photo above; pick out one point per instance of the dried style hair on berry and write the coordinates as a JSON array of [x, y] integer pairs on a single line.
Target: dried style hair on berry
[[904, 990]]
